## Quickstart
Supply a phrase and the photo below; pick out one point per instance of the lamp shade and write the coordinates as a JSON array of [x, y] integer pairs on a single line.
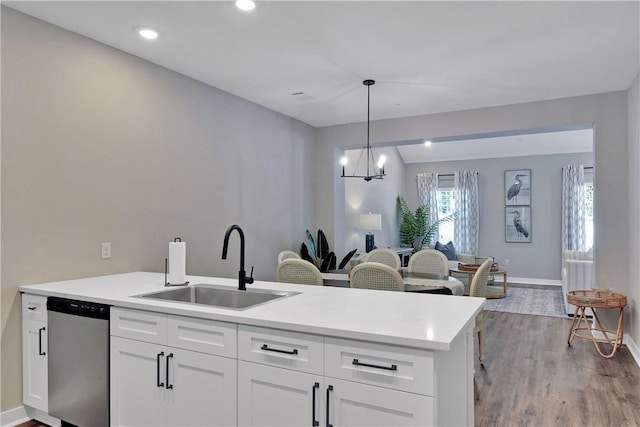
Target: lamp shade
[[370, 222]]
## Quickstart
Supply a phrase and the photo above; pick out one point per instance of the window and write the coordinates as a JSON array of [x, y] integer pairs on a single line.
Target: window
[[446, 206], [588, 198]]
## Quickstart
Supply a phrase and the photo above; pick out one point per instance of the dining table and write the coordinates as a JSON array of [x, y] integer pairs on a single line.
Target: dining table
[[413, 282]]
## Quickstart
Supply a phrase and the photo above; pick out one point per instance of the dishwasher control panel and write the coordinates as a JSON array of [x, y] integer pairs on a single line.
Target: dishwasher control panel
[[78, 308]]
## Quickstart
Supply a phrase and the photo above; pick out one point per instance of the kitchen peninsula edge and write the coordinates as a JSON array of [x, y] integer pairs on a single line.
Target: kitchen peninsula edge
[[441, 324]]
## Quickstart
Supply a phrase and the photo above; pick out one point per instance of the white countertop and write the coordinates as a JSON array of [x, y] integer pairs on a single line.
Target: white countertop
[[425, 321]]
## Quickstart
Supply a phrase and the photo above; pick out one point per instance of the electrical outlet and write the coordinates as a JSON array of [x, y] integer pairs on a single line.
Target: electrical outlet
[[106, 250], [506, 262]]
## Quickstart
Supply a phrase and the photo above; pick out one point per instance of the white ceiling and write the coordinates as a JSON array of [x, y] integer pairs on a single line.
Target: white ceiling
[[427, 57]]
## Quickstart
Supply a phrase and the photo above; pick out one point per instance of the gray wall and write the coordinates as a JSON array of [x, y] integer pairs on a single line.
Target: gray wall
[[540, 259], [101, 146], [633, 105], [376, 196]]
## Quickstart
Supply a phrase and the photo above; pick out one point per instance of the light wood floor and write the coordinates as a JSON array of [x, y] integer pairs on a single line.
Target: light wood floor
[[532, 378]]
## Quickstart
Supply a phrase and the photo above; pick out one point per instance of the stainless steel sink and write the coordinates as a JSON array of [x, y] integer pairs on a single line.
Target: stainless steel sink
[[218, 296]]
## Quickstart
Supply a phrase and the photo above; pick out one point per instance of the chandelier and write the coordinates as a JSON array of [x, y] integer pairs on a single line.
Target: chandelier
[[374, 170]]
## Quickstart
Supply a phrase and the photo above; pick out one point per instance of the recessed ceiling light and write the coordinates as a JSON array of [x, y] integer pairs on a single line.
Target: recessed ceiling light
[[245, 4], [148, 33], [427, 143]]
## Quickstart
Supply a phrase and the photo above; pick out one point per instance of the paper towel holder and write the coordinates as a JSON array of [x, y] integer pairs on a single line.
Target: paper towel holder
[[166, 268]]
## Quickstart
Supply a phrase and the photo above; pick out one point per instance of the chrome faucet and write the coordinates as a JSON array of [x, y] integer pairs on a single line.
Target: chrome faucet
[[242, 279]]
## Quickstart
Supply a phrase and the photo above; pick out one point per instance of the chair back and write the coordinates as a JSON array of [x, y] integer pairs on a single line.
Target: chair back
[[287, 255], [384, 256], [429, 261], [374, 275], [478, 287], [294, 270]]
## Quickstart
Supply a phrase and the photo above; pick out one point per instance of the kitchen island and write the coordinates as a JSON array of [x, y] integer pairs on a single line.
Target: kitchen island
[[346, 356]]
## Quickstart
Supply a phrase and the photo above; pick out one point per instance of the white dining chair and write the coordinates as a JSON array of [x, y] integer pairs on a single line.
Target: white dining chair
[[478, 288], [287, 255], [385, 256], [429, 261], [375, 275], [294, 270]]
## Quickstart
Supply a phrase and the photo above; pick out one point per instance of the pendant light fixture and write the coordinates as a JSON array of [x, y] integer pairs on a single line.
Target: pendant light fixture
[[372, 171]]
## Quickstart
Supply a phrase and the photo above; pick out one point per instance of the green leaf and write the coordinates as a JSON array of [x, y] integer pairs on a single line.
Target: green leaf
[[318, 253], [414, 230], [346, 259], [323, 246], [312, 247], [329, 263], [304, 253]]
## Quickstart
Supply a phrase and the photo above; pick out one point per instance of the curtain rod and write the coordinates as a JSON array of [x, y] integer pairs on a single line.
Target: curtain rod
[[586, 167], [449, 174]]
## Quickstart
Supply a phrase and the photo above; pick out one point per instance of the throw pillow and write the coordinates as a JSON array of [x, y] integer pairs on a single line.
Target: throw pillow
[[449, 250]]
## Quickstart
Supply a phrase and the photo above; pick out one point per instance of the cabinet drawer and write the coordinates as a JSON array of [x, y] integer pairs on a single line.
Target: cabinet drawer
[[206, 336], [290, 350], [139, 325], [381, 365], [34, 307]]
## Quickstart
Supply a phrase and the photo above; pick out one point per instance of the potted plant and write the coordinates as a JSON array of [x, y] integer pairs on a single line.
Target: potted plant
[[414, 231], [317, 252]]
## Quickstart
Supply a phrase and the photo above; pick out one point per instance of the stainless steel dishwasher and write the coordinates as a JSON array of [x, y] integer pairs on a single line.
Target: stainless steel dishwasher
[[78, 347]]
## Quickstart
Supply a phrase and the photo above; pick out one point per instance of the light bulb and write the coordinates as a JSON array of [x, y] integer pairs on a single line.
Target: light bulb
[[381, 161], [427, 143], [245, 4], [344, 161], [148, 33]]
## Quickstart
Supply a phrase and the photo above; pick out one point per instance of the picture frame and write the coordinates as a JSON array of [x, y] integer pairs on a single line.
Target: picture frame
[[517, 224], [517, 187]]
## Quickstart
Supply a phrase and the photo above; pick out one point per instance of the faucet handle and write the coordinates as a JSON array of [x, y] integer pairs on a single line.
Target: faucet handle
[[250, 278]]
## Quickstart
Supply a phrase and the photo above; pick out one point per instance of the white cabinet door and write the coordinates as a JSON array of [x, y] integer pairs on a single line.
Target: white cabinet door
[[354, 404], [202, 389], [138, 376], [34, 358], [269, 396]]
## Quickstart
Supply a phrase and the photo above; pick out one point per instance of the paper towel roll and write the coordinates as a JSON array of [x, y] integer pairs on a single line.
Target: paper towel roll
[[177, 262]]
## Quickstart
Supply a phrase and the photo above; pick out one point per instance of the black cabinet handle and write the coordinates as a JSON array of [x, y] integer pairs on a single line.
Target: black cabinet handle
[[388, 368], [329, 389], [314, 423], [32, 308], [169, 386], [40, 352], [266, 348], [158, 383]]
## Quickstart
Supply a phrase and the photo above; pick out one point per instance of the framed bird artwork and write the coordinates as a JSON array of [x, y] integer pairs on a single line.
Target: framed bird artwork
[[517, 224], [517, 187]]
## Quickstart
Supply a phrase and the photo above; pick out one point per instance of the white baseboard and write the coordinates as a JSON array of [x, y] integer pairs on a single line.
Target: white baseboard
[[633, 348], [529, 281], [13, 417], [22, 414]]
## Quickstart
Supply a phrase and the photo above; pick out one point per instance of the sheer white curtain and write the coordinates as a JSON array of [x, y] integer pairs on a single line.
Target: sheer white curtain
[[428, 196], [574, 235], [467, 223]]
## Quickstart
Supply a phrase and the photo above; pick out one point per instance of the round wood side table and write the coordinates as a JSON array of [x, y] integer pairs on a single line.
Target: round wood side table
[[595, 299]]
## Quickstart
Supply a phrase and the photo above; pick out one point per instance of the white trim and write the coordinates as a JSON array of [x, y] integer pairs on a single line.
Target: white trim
[[633, 348], [13, 417], [22, 414], [528, 280], [38, 414]]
